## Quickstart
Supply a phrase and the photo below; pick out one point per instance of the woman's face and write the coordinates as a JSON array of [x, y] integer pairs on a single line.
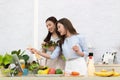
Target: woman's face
[[61, 29], [50, 26]]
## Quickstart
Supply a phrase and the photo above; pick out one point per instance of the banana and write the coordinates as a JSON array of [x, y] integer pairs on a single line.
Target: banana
[[104, 74], [116, 74], [103, 70]]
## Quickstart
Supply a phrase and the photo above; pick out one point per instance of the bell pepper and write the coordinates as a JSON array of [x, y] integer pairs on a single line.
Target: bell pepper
[[43, 71]]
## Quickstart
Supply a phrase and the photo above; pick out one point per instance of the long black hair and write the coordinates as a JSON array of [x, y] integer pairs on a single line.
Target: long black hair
[[68, 26], [54, 20]]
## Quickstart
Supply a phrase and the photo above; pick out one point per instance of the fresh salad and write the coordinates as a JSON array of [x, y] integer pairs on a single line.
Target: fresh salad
[[49, 44]]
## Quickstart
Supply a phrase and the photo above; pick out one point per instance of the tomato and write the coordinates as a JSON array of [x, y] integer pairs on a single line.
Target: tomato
[[51, 71]]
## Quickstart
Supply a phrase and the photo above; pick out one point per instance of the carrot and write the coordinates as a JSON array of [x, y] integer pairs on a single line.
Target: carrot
[[74, 73]]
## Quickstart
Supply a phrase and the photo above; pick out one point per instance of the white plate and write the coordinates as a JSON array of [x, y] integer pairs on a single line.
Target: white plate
[[49, 75]]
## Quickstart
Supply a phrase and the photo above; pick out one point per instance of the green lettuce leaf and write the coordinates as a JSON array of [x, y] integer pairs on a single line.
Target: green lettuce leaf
[[1, 59], [7, 59]]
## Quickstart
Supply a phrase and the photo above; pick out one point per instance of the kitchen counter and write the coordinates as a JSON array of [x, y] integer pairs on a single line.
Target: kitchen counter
[[98, 67], [60, 78]]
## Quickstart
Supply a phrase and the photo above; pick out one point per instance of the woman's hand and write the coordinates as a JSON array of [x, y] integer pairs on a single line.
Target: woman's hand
[[43, 43], [77, 50], [51, 48], [33, 50]]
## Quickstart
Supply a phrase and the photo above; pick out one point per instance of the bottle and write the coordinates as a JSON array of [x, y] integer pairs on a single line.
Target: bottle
[[91, 67], [22, 63]]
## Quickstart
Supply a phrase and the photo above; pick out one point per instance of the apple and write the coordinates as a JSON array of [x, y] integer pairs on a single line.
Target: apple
[[51, 71]]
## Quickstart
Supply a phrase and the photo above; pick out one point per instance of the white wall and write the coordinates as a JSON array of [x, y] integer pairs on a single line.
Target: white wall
[[98, 20], [16, 24]]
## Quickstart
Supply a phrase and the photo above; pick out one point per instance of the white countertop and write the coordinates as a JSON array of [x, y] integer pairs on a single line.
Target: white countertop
[[59, 78]]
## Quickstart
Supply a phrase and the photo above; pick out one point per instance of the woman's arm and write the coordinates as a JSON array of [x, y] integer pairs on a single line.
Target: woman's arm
[[55, 53], [44, 55], [35, 51], [83, 46]]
